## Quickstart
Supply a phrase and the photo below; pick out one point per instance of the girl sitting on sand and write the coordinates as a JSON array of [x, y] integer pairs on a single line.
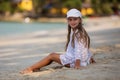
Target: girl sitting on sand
[[77, 47]]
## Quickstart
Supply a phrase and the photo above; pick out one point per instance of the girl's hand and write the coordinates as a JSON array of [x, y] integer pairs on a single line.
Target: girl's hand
[[77, 67], [77, 64]]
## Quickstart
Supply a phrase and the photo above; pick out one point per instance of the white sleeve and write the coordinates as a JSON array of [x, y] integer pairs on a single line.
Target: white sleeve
[[81, 52]]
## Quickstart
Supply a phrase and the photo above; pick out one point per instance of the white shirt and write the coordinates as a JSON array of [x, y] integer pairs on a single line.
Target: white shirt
[[78, 52]]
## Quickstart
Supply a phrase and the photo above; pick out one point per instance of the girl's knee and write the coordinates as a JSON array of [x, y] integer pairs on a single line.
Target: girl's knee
[[52, 54]]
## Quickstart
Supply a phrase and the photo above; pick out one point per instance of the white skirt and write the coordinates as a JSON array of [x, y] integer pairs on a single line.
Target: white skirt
[[71, 61]]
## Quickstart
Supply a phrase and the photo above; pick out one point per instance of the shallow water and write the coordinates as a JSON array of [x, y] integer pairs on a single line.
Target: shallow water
[[15, 28]]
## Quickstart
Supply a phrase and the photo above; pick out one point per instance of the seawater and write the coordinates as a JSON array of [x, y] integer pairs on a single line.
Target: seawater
[[16, 28]]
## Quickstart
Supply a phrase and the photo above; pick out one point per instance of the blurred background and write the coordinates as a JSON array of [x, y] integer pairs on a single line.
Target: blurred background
[[31, 29], [36, 19], [97, 14], [32, 18], [35, 9]]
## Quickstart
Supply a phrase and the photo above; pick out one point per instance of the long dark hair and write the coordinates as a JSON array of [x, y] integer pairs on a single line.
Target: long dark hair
[[81, 36]]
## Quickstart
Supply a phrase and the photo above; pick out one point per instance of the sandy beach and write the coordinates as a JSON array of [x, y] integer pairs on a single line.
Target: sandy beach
[[19, 52]]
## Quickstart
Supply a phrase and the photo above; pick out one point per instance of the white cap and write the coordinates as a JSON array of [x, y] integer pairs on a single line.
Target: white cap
[[74, 13]]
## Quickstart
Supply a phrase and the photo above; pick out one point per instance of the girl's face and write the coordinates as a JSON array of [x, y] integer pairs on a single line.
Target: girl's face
[[73, 21]]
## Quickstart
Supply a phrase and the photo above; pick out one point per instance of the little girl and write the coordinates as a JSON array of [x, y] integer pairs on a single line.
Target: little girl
[[77, 47]]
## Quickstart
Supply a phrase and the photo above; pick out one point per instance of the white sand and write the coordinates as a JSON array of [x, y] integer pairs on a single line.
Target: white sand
[[17, 53]]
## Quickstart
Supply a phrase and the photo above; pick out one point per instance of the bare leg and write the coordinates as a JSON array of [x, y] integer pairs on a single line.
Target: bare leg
[[45, 61]]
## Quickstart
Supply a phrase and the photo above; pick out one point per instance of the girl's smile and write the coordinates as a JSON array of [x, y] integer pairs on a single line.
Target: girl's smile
[[73, 21]]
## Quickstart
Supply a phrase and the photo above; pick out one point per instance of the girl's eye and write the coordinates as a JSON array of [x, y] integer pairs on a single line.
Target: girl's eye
[[72, 19], [69, 19]]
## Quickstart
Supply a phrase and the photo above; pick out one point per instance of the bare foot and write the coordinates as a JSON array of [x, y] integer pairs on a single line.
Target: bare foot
[[27, 70]]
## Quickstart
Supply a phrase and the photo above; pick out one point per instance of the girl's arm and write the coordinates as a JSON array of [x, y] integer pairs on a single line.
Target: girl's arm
[[77, 64], [80, 53]]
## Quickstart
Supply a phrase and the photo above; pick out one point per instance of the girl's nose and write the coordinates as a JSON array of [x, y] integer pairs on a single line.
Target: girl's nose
[[72, 21]]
